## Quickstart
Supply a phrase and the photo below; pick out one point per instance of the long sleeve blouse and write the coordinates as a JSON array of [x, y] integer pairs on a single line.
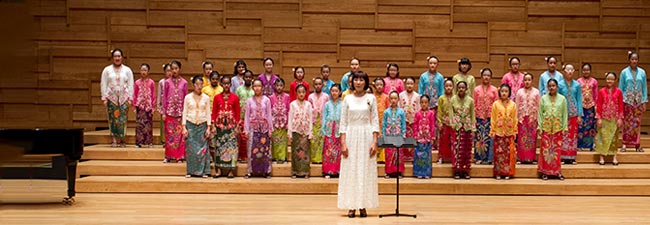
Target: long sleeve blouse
[[300, 118], [574, 99], [331, 116], [463, 116], [527, 104], [258, 116], [173, 96], [197, 112], [144, 94], [483, 99], [424, 126], [634, 87], [432, 85], [504, 119], [226, 111], [280, 110], [552, 114], [394, 123], [589, 92], [515, 81], [609, 104], [117, 84]]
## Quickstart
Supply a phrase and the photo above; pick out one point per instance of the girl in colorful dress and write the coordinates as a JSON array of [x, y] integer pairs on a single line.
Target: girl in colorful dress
[[573, 94], [552, 122], [347, 92], [514, 78], [327, 83], [392, 81], [345, 79], [268, 77], [504, 129], [144, 99], [196, 130], [551, 73], [484, 96], [424, 129], [464, 122], [300, 133], [382, 104], [207, 70], [173, 102], [317, 100], [527, 101], [410, 102], [211, 90], [332, 137], [117, 93], [299, 75], [226, 117], [447, 133], [394, 124], [432, 84], [238, 75], [167, 69], [635, 96], [244, 92], [258, 127], [587, 129], [280, 113], [609, 112], [464, 66]]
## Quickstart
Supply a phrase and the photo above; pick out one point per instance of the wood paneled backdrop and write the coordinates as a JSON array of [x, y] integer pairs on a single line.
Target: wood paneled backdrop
[[74, 38]]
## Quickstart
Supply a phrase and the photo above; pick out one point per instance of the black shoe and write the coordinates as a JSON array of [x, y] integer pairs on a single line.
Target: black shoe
[[363, 213], [351, 213]]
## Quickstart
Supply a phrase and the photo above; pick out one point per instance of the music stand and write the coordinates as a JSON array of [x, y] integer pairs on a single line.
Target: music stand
[[396, 142]]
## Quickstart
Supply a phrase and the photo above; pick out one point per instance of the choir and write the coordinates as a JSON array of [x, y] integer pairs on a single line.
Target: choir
[[250, 118]]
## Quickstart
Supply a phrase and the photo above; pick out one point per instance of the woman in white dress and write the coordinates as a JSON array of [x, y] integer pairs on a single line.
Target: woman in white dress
[[359, 130]]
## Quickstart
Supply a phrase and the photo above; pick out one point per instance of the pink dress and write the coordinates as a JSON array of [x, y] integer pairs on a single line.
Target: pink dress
[[391, 85], [515, 81]]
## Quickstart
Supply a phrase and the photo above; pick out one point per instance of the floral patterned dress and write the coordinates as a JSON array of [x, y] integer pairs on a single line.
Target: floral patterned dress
[[300, 130], [552, 121]]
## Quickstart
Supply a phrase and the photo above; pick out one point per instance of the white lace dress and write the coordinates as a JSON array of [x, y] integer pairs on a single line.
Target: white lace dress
[[358, 177]]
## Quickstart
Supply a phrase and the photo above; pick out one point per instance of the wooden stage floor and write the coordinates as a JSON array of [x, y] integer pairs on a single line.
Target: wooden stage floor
[[163, 209]]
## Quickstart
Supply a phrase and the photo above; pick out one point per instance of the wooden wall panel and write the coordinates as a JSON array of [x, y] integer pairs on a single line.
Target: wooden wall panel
[[339, 6], [74, 37], [346, 21]]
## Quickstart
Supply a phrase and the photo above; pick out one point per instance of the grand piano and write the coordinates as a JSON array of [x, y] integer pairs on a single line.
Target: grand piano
[[63, 146]]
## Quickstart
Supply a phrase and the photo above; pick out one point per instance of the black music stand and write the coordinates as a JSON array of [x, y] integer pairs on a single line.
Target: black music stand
[[396, 142]]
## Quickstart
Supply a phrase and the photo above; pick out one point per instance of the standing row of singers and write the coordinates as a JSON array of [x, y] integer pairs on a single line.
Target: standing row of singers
[[249, 117]]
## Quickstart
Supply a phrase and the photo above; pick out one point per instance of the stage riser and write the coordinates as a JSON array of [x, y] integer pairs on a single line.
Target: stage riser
[[103, 168], [103, 137], [386, 187], [104, 152]]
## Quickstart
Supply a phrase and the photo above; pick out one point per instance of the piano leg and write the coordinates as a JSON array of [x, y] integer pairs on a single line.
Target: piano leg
[[72, 177]]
